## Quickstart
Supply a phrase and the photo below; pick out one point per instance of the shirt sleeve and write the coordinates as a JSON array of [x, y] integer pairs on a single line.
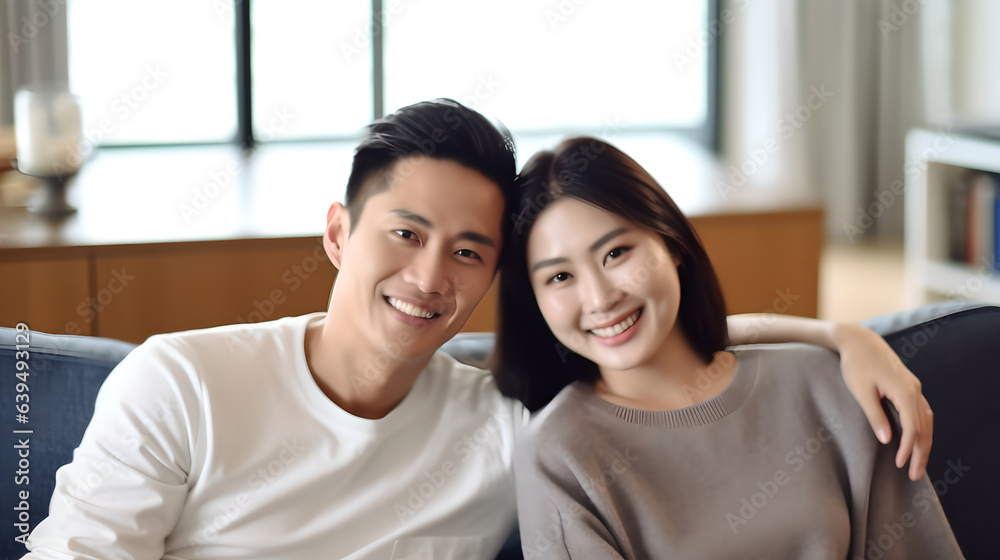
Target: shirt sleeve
[[556, 520], [124, 490], [899, 519]]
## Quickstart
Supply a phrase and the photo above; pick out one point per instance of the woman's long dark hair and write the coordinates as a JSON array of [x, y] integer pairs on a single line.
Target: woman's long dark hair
[[528, 362]]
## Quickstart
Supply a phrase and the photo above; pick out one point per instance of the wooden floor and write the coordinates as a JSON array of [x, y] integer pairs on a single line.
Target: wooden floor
[[861, 281]]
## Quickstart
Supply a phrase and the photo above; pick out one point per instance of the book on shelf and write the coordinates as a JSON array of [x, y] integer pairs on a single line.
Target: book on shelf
[[974, 220]]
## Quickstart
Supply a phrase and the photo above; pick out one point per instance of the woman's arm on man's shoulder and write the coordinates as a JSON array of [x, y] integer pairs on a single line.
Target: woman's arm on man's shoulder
[[871, 370]]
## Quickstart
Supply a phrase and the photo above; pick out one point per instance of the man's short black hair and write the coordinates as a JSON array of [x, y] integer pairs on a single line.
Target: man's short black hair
[[441, 129]]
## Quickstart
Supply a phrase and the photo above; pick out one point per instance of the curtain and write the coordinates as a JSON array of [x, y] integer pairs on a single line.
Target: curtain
[[33, 48], [839, 82]]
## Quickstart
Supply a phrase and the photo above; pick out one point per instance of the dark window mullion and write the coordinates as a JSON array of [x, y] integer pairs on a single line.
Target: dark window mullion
[[244, 99], [378, 62]]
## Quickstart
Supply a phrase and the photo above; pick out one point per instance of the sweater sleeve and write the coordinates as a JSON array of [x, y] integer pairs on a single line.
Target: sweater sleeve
[[899, 519], [555, 518], [124, 490]]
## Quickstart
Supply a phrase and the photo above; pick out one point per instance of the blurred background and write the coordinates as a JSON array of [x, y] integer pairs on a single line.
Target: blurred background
[[218, 121]]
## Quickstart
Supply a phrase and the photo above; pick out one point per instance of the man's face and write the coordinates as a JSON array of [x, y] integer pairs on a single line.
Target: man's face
[[422, 254]]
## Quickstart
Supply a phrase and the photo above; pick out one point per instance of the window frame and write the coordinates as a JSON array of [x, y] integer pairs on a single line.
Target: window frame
[[706, 135]]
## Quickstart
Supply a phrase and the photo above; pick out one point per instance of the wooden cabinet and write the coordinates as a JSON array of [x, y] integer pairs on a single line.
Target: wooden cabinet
[[49, 294]]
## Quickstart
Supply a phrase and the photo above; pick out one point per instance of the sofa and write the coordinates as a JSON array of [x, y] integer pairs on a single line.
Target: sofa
[[952, 347]]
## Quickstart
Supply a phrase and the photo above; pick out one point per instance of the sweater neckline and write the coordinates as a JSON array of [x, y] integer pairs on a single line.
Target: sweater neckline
[[701, 414]]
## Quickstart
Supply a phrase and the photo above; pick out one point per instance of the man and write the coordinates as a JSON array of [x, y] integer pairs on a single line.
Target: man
[[333, 435], [338, 435]]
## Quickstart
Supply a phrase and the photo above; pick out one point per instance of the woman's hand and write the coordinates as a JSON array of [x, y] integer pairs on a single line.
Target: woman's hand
[[872, 370]]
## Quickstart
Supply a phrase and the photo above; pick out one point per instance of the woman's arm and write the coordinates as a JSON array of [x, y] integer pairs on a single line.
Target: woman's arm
[[871, 370], [555, 519]]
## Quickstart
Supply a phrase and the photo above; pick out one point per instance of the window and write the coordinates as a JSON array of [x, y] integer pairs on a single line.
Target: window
[[167, 73], [540, 66], [153, 72], [312, 70]]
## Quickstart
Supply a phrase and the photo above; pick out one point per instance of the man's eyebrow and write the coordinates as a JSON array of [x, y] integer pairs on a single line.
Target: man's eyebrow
[[473, 236], [477, 238], [593, 247], [407, 215]]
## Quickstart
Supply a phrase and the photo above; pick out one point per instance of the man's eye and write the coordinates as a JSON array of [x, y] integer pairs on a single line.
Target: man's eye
[[469, 253], [561, 277], [615, 253], [405, 234]]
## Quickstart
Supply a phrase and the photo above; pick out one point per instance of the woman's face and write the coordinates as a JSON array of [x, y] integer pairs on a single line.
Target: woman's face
[[607, 287]]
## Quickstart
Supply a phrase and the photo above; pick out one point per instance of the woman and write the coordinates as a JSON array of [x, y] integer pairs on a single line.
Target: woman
[[658, 442]]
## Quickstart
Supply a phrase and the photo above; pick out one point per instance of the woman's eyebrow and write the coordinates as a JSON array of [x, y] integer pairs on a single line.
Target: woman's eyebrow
[[593, 247], [548, 262], [605, 238]]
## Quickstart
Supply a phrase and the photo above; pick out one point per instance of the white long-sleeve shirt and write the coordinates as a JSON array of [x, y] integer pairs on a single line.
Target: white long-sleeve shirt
[[219, 444]]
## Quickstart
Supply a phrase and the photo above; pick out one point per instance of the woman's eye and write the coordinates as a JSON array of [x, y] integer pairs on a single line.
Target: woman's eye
[[561, 277], [405, 234], [469, 253], [615, 253]]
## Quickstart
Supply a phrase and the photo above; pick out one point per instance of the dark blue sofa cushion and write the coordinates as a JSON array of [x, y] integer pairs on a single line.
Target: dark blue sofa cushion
[[955, 352], [64, 374]]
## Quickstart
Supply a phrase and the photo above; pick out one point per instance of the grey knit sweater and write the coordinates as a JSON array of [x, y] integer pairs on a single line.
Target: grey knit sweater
[[781, 464]]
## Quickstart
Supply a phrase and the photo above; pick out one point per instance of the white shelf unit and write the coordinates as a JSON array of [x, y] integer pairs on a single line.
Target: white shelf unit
[[935, 160]]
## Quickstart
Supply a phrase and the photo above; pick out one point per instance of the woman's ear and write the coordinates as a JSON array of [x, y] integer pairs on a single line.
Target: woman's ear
[[338, 230]]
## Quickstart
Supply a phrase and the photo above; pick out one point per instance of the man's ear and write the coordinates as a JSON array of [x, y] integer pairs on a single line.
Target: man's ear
[[338, 229]]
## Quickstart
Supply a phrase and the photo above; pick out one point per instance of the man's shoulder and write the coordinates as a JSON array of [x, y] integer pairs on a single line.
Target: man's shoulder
[[469, 386], [241, 347], [444, 370], [240, 338]]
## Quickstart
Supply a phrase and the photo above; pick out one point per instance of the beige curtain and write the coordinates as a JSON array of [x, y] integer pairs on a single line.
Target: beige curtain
[[33, 48], [883, 67]]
